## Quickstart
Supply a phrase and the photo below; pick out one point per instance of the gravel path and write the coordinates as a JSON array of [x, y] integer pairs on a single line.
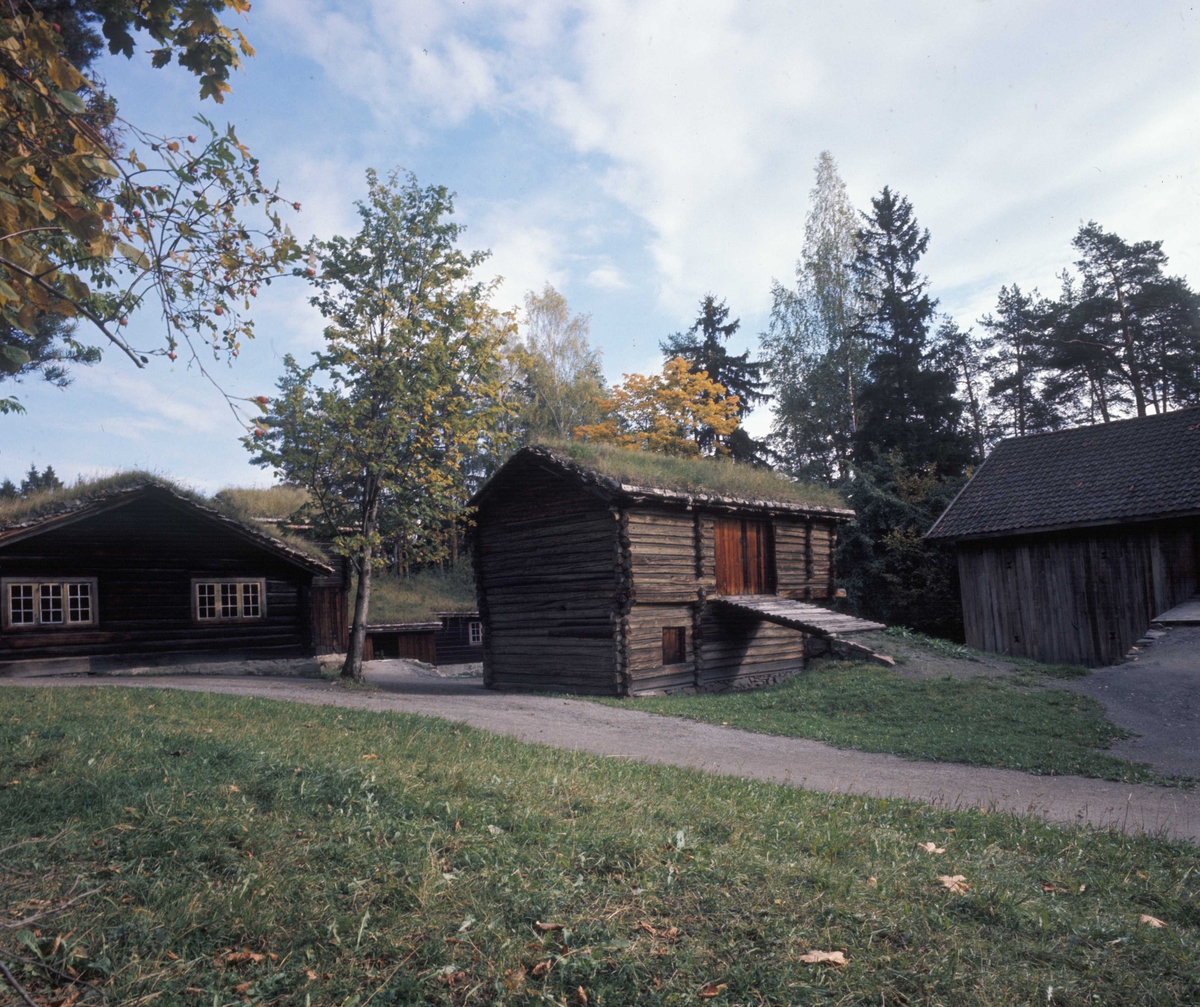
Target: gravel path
[[1157, 694], [631, 734]]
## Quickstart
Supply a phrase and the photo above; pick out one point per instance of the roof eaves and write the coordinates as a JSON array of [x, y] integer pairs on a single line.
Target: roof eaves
[[76, 510]]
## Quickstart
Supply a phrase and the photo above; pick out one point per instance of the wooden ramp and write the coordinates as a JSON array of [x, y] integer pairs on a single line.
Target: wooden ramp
[[797, 614], [1186, 614]]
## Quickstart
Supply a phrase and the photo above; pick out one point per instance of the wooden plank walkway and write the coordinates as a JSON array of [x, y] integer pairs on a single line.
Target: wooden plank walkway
[[1186, 614], [797, 614]]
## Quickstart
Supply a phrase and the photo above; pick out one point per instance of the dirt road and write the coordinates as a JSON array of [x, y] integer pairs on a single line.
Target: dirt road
[[631, 734]]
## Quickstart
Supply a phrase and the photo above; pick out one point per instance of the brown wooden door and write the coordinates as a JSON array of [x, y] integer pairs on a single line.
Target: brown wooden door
[[745, 557], [329, 629]]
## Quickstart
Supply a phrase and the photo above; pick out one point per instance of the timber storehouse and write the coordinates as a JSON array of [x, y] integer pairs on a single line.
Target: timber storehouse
[[587, 584], [1071, 543]]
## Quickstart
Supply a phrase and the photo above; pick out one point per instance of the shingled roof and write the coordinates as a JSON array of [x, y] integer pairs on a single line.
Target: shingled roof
[[1131, 470]]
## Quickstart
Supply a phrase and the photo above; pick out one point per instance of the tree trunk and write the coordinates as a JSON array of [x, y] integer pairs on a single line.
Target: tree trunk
[[453, 540], [362, 600]]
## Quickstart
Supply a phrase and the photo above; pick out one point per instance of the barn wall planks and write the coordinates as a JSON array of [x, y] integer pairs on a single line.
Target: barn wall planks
[[144, 555], [1080, 597], [546, 559]]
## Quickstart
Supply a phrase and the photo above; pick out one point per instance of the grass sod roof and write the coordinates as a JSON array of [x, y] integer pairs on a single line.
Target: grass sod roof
[[27, 513], [1128, 470], [632, 473], [421, 597], [273, 503]]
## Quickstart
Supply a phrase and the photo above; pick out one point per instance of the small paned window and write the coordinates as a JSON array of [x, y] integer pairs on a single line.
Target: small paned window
[[674, 649], [20, 600], [227, 600], [475, 633], [250, 601], [51, 603], [206, 601], [79, 602]]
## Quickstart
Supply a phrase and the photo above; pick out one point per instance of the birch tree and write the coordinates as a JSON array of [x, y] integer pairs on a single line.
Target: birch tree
[[815, 358], [388, 414]]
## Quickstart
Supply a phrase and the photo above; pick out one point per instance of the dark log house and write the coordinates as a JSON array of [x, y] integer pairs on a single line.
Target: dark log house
[[1071, 543], [134, 570], [589, 584]]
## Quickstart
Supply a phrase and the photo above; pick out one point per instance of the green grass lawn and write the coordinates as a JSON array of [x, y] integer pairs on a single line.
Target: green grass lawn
[[233, 851], [978, 722]]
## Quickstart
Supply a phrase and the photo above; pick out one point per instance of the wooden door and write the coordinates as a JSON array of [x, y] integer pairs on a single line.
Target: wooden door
[[328, 615], [745, 556]]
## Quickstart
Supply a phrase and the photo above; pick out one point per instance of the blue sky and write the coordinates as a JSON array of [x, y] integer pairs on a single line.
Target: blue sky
[[638, 155]]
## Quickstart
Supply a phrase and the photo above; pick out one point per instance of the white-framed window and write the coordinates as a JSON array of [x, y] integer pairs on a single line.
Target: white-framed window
[[228, 599], [475, 633], [48, 602]]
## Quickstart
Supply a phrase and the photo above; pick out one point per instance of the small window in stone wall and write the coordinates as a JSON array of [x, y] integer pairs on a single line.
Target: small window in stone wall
[[674, 645]]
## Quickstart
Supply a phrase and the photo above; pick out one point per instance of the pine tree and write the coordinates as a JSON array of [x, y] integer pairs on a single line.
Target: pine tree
[[908, 405], [703, 347], [1124, 333], [1016, 362]]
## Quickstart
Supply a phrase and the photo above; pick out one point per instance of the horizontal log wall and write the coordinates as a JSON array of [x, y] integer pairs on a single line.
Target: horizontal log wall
[[546, 573], [662, 552], [643, 641], [738, 650], [144, 556], [804, 558], [1075, 597]]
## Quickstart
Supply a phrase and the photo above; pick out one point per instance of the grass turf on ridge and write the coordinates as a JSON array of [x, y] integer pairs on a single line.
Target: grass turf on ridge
[[250, 851], [695, 475], [977, 722]]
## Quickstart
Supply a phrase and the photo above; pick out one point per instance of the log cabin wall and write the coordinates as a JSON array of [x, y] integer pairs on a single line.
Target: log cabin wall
[[673, 565], [547, 576], [805, 551], [143, 556], [1077, 597], [666, 593]]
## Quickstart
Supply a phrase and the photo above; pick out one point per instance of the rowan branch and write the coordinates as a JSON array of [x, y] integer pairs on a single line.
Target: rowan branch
[[83, 309]]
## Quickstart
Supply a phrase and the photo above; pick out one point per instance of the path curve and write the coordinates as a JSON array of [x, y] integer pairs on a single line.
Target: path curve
[[632, 734]]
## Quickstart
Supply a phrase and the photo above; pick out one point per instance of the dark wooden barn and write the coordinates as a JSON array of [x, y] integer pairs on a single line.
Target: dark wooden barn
[[456, 638], [587, 583], [459, 638], [1070, 543], [134, 570]]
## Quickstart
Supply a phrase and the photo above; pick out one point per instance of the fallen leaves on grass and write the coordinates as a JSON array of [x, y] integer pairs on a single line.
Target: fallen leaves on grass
[[872, 882], [931, 848], [709, 990], [954, 882], [546, 928], [581, 997], [370, 755], [241, 957], [234, 788], [823, 957], [514, 980], [1150, 921], [541, 968], [241, 988], [667, 933]]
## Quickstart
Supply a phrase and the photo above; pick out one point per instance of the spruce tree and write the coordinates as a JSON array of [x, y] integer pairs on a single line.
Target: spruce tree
[[703, 347], [908, 405]]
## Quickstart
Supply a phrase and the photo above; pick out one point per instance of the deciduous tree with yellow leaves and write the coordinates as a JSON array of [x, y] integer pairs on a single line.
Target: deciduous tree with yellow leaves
[[665, 413]]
